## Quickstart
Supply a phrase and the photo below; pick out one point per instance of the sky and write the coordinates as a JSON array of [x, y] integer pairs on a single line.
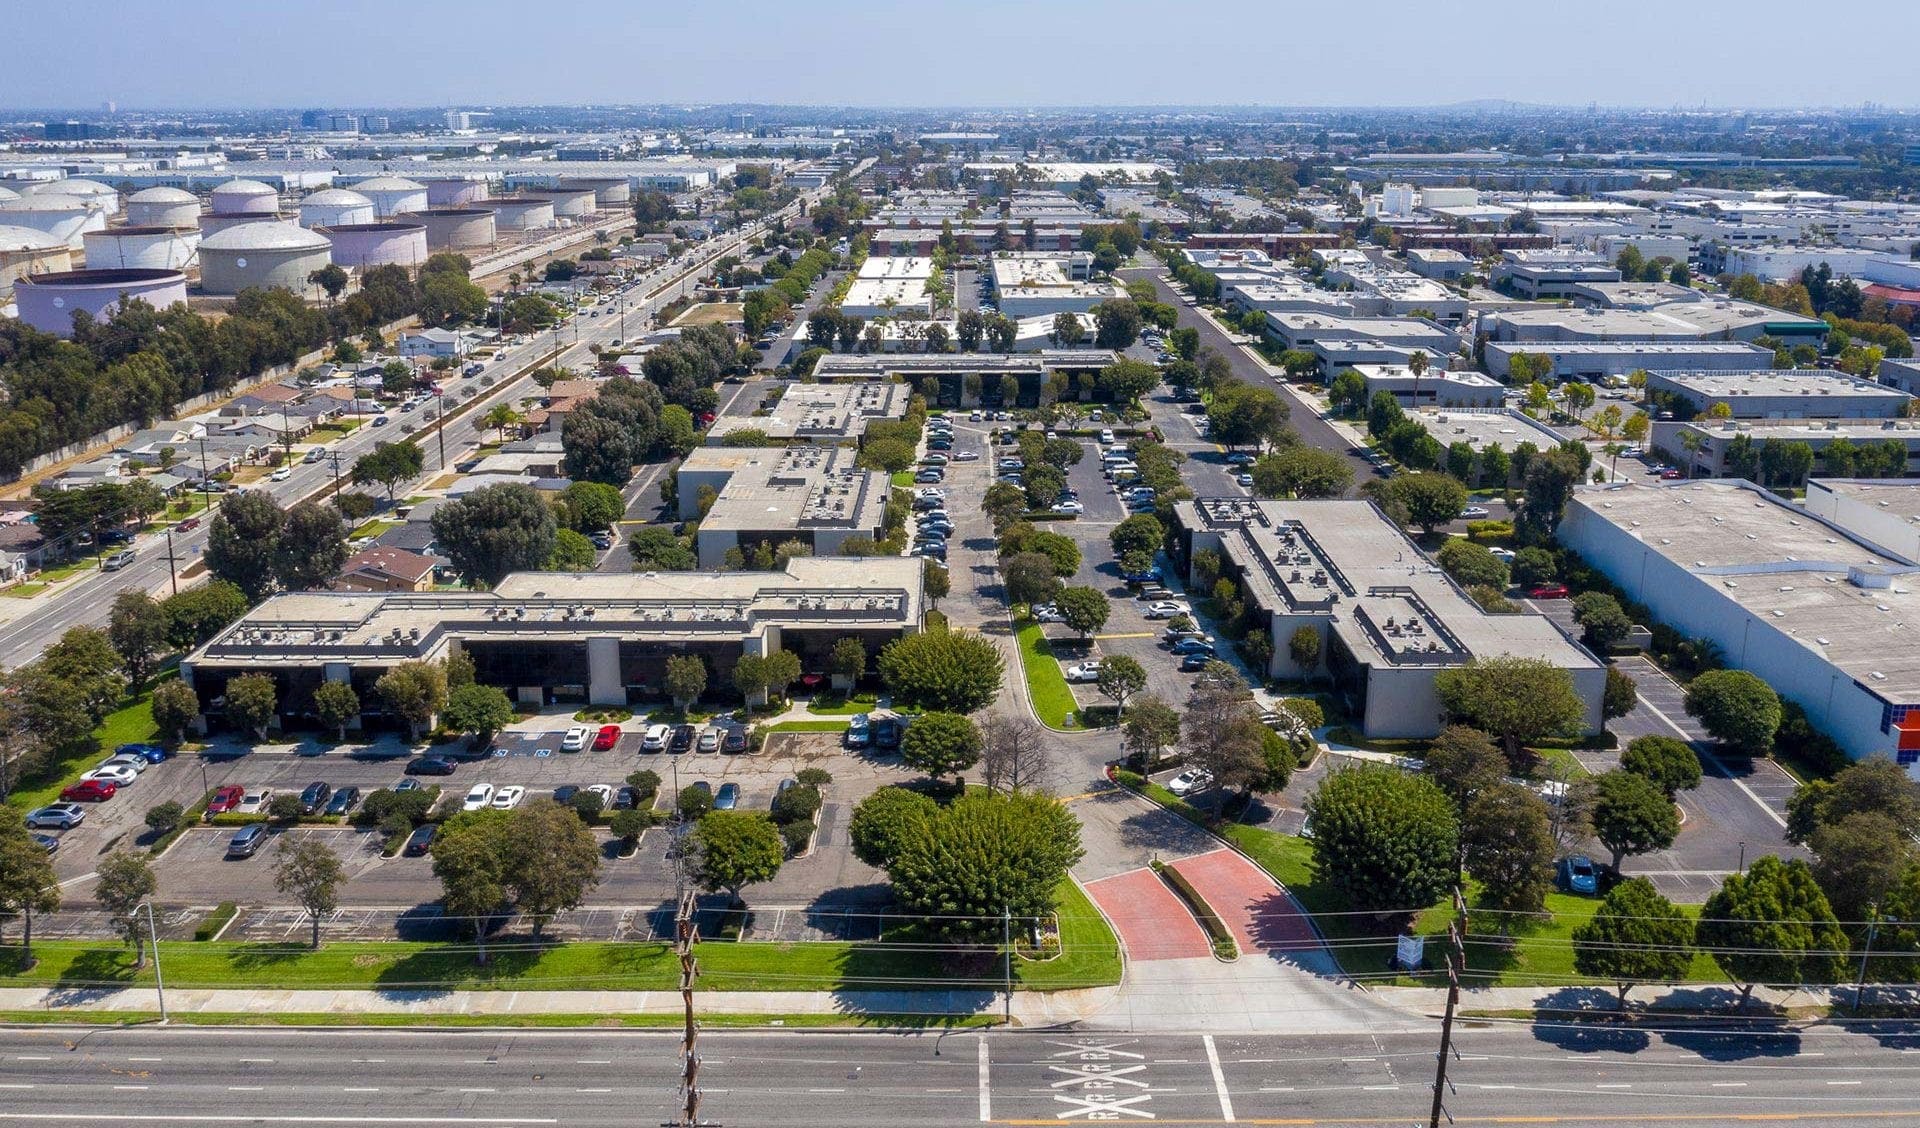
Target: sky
[[999, 53]]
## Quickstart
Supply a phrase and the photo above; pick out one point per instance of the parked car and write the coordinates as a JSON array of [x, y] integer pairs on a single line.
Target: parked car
[[314, 799], [1243, 480], [117, 561], [682, 739], [607, 737], [420, 841], [709, 740], [1194, 663], [407, 785], [1240, 458], [1150, 576], [89, 791], [119, 775], [1577, 874], [151, 753], [727, 798], [1192, 646], [1048, 613], [1190, 781], [344, 801], [57, 816], [1155, 594], [859, 731], [508, 797], [430, 765], [134, 764], [929, 475], [1547, 591], [1069, 508], [254, 802], [1083, 672], [1164, 609], [247, 841], [1671, 475], [655, 738], [478, 797], [1475, 513], [46, 842], [734, 740], [225, 799], [887, 732], [575, 739], [604, 791]]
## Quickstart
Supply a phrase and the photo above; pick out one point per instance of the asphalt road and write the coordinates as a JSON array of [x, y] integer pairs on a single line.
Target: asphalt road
[[1544, 1074]]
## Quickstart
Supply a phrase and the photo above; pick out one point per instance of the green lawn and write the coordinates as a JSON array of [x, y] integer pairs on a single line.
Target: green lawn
[[836, 705], [1089, 951], [1536, 950], [131, 723], [809, 726], [903, 479], [1046, 685]]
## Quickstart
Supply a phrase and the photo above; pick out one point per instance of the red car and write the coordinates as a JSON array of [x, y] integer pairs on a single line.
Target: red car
[[225, 799], [1548, 591], [607, 737], [89, 791]]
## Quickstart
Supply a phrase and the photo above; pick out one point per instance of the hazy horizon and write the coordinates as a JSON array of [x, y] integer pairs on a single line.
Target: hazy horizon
[[986, 55]]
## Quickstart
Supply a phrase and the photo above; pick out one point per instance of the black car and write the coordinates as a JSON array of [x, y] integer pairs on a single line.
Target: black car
[[887, 732], [344, 800], [419, 840], [625, 798], [430, 765], [734, 739], [1194, 662], [565, 792], [682, 739], [46, 842], [314, 799]]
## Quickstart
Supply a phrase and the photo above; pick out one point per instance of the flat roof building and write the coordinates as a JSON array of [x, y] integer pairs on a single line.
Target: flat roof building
[[820, 413], [1389, 619], [1781, 393], [967, 379], [1594, 361], [1711, 448], [1811, 607], [1038, 284], [771, 495], [1718, 319], [1432, 388], [1550, 274], [1885, 511]]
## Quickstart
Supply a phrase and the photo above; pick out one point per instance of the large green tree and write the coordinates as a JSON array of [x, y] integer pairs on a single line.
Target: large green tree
[[312, 547], [945, 670], [123, 882], [27, 881], [733, 849], [987, 854], [1302, 471], [1388, 841], [242, 540], [1632, 815], [137, 629], [494, 531], [1507, 839], [1736, 708], [1668, 761], [941, 744], [1636, 936], [477, 709], [310, 872], [1516, 700], [1772, 925], [253, 701], [414, 692], [884, 820], [389, 465], [551, 861]]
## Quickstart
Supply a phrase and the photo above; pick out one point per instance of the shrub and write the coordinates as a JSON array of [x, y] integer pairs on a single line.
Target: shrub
[[813, 777], [796, 835], [796, 804]]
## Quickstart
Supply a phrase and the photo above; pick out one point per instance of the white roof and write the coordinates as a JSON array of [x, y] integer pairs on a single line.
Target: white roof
[[14, 240], [265, 235], [336, 196], [163, 196]]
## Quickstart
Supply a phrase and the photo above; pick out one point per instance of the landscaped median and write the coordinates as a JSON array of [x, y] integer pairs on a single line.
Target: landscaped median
[[1047, 687]]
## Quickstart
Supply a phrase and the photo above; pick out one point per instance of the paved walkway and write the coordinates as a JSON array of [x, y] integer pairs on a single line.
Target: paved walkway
[[1262, 915], [1153, 924]]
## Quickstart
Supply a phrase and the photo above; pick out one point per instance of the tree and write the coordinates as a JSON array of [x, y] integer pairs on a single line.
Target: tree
[[330, 278], [940, 744], [1859, 860], [934, 581], [414, 692], [1534, 566], [1772, 925], [478, 709], [252, 703], [1014, 752], [733, 849], [572, 552], [175, 708], [1636, 936], [312, 547], [1004, 503], [1386, 840], [335, 705], [1736, 708], [1125, 381], [1116, 324], [988, 853], [390, 465], [1463, 762], [848, 660], [1141, 533], [311, 873], [28, 884], [1149, 730], [1084, 609], [592, 506], [1873, 786], [1547, 485], [1472, 564], [194, 616], [1602, 619], [1067, 330], [494, 531], [947, 670], [1348, 392], [686, 679], [1303, 646], [1620, 696], [137, 629], [1669, 762], [1303, 472], [1515, 700], [469, 859], [1508, 846], [1030, 578], [124, 882], [1432, 499], [1246, 415], [597, 448], [886, 819], [1632, 815], [1120, 678], [551, 861], [241, 542]]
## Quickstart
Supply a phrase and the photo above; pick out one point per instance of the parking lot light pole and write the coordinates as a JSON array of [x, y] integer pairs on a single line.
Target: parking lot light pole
[[153, 937]]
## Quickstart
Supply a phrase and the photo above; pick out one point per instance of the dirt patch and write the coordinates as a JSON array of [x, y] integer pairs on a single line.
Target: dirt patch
[[710, 313], [803, 749]]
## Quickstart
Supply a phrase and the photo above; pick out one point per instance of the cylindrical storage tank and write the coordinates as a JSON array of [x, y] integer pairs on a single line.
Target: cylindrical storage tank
[[456, 229], [377, 244], [142, 248], [335, 207], [521, 213], [262, 255], [609, 192], [48, 301], [80, 189], [212, 222], [24, 251], [65, 217], [454, 191], [393, 195], [237, 197], [571, 203], [163, 207]]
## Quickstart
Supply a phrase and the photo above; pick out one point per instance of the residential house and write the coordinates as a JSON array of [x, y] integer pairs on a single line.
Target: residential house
[[384, 568]]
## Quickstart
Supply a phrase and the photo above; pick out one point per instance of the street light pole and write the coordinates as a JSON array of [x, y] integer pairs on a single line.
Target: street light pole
[[159, 981], [1006, 941], [173, 576]]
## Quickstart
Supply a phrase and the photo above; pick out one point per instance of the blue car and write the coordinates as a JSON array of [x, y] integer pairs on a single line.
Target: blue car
[[727, 798], [1578, 874], [151, 753], [1150, 576], [1192, 646]]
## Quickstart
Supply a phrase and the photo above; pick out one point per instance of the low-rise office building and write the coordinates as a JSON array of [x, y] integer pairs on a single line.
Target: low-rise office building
[[1389, 620], [1715, 448], [1432, 388], [1886, 511], [771, 495], [594, 637], [1717, 319], [1550, 274], [1780, 393], [1439, 264], [1901, 374], [1596, 361], [1032, 284], [1813, 608], [819, 413], [970, 379], [1343, 342]]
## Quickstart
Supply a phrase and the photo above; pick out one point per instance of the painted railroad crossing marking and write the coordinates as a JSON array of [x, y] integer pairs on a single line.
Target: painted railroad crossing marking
[[1103, 1090]]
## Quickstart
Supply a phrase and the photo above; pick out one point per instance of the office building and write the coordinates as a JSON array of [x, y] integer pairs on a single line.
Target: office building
[[768, 496], [1597, 361], [819, 413], [1781, 393]]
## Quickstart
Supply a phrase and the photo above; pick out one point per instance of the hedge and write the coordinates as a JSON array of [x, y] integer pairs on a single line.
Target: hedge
[[1224, 944]]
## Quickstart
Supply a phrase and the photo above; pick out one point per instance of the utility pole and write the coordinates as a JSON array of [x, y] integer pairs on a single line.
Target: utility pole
[[1873, 929], [1456, 963], [686, 932], [1006, 942], [173, 576], [153, 936]]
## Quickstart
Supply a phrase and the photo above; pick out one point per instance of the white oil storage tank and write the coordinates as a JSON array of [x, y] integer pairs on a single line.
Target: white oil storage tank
[[610, 193], [65, 217], [163, 207], [262, 255], [521, 213], [82, 189], [568, 203], [393, 195], [48, 301], [377, 244], [142, 248], [213, 222], [335, 207], [456, 229], [25, 251], [455, 191], [243, 196]]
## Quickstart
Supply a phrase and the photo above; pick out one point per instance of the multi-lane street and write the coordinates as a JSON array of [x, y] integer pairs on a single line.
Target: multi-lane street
[[1539, 1074]]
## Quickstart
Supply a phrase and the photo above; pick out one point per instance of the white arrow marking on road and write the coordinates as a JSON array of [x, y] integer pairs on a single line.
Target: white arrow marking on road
[[1098, 1073], [1103, 1108]]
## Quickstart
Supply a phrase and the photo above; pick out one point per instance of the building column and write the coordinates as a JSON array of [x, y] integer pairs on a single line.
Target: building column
[[604, 686]]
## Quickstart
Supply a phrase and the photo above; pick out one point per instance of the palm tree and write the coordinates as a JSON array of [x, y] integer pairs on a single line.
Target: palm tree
[[501, 416], [1693, 442], [1417, 364]]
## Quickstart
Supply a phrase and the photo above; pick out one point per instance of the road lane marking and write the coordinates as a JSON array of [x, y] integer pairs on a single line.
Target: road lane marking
[[1844, 1082], [986, 1084], [479, 1090], [1219, 1078], [203, 1118], [15, 1085], [1729, 1084], [245, 1088], [33, 1057], [359, 1090], [144, 1059], [593, 1090], [1614, 1085], [255, 1061]]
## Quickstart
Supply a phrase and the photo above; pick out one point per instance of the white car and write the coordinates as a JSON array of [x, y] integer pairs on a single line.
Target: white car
[[507, 798], [1106, 437], [1243, 480], [1164, 609], [1048, 613], [1083, 672], [478, 796], [655, 738], [118, 775], [604, 791], [1474, 513], [966, 456], [576, 738], [57, 816], [135, 764], [1070, 508], [1189, 781], [282, 474], [253, 801], [709, 740]]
